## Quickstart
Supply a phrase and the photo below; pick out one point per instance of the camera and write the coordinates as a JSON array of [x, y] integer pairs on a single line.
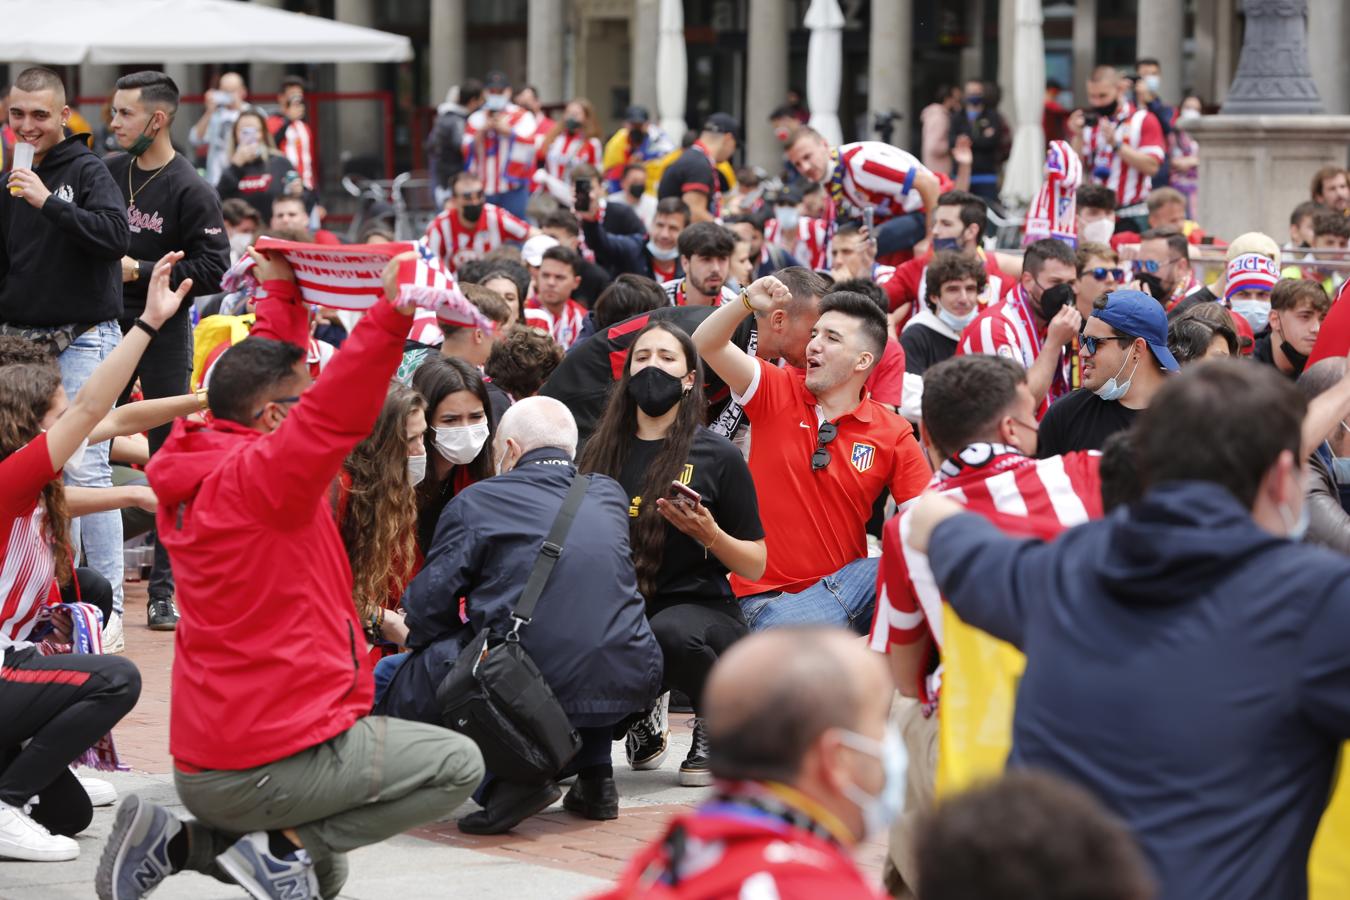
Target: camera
[[583, 200], [1090, 119]]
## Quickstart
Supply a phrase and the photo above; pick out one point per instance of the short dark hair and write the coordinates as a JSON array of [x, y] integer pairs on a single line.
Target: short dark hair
[[805, 286], [1331, 222], [1189, 337], [872, 320], [1118, 471], [1147, 61], [1305, 209], [1176, 241], [952, 266], [671, 206], [1208, 410], [627, 296], [156, 89], [40, 78], [707, 239], [974, 211], [248, 372], [490, 303], [464, 175], [868, 288], [235, 210], [521, 360], [470, 89], [513, 271], [965, 396], [293, 81], [1039, 252], [750, 219], [1096, 196], [564, 255], [1028, 834], [1291, 293], [561, 218], [636, 167], [17, 351]]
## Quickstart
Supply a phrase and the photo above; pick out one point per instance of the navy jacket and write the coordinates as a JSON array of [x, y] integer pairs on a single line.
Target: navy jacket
[[589, 635], [1186, 666], [622, 254]]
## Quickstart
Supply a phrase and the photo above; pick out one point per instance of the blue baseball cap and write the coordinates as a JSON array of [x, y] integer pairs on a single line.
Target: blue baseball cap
[[1138, 315]]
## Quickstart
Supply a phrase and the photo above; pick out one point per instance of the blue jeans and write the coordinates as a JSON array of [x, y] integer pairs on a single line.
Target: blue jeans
[[513, 201], [845, 598], [901, 233], [100, 534], [385, 670]]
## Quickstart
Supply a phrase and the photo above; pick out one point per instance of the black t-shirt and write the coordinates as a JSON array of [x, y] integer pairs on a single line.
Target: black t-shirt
[[1194, 298], [691, 173], [1081, 421], [717, 471], [925, 348]]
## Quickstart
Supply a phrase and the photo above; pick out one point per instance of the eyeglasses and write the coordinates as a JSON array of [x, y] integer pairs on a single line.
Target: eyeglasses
[[1089, 344], [1151, 266], [824, 434], [1101, 273], [286, 400]]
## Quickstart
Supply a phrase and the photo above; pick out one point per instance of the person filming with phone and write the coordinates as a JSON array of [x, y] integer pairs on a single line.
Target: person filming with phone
[[256, 171], [693, 517]]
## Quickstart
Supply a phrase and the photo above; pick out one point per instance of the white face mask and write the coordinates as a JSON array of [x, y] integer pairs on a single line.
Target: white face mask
[[1099, 231], [1114, 390], [1188, 115], [954, 322], [663, 255], [788, 217], [881, 809], [417, 469], [496, 102], [1256, 312], [1153, 83], [460, 444]]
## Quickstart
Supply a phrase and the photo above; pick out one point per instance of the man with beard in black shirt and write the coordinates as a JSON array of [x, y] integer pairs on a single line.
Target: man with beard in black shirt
[[169, 207]]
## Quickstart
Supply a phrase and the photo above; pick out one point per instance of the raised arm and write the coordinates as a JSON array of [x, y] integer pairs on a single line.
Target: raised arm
[[133, 418], [713, 336], [1042, 372]]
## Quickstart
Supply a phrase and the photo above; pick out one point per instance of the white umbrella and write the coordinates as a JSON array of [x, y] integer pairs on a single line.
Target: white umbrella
[[67, 32], [1026, 165], [671, 69], [824, 62]]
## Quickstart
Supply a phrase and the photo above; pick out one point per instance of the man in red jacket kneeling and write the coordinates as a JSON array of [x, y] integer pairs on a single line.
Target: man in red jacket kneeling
[[274, 753]]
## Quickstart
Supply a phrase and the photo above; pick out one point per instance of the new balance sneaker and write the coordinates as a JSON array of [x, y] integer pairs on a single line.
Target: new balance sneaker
[[266, 877], [114, 641], [136, 858], [649, 737], [22, 838], [694, 771], [100, 792], [161, 614]]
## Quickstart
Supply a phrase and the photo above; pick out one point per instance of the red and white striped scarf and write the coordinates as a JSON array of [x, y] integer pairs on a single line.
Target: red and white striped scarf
[[1052, 214]]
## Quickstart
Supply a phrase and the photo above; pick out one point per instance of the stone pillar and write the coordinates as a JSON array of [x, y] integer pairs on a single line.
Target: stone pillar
[[1007, 53], [889, 85], [766, 80], [188, 77], [544, 53], [824, 61], [1084, 47], [673, 65], [1328, 36], [1161, 28], [359, 121], [446, 48], [1202, 79], [264, 78], [972, 55], [1273, 76], [644, 34]]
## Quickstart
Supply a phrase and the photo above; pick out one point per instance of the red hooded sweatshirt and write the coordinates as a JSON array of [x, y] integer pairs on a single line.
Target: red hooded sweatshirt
[[269, 655]]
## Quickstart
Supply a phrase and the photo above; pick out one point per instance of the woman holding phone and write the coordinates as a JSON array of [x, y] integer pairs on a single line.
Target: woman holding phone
[[258, 172], [694, 517]]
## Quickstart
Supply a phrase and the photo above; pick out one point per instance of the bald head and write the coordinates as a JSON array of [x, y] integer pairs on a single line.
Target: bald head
[[537, 422], [772, 695]]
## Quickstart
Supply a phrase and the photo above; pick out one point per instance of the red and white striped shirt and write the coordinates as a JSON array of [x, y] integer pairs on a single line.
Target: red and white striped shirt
[[454, 242], [1009, 329], [1102, 162], [564, 328], [569, 150], [507, 161], [297, 142], [1019, 494], [28, 570], [810, 245], [870, 173], [675, 293]]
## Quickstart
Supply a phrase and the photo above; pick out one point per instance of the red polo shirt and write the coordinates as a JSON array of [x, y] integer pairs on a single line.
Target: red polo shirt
[[815, 521]]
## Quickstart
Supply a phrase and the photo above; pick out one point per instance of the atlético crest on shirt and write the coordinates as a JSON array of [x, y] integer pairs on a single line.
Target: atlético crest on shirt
[[863, 456]]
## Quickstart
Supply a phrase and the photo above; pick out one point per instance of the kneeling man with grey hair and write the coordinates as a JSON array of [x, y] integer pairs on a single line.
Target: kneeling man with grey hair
[[589, 634]]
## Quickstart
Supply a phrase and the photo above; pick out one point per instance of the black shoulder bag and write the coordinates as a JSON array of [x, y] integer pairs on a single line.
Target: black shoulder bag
[[495, 694]]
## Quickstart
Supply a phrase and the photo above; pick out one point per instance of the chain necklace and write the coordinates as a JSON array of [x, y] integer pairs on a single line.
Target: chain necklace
[[132, 193]]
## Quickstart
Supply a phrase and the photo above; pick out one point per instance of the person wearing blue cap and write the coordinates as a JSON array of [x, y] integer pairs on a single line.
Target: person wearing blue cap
[[1125, 361]]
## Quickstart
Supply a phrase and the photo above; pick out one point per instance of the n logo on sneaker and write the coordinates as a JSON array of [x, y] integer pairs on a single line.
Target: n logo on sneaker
[[293, 888], [147, 875]]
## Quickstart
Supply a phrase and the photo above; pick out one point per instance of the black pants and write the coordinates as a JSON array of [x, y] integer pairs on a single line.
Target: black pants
[[165, 370], [692, 636]]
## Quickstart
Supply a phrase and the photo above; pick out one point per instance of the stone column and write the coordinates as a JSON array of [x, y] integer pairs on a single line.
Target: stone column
[[446, 47], [644, 31], [972, 55], [1007, 53], [889, 85], [1225, 47], [1328, 36], [188, 77], [1161, 28], [1273, 76], [1202, 79], [264, 78], [824, 61], [766, 80], [673, 65], [359, 121], [544, 54], [1084, 47]]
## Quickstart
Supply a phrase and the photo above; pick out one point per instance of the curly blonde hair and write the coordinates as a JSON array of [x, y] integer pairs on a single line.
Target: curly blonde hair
[[26, 392]]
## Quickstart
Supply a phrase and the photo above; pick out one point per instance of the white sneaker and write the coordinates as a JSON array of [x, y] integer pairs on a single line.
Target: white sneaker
[[101, 793], [113, 639], [22, 838]]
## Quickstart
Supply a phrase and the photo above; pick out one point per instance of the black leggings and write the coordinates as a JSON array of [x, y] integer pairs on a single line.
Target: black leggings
[[692, 636]]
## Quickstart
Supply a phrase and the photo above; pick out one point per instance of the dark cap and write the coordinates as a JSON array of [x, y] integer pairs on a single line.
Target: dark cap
[[1136, 314], [637, 114], [496, 81], [723, 123]]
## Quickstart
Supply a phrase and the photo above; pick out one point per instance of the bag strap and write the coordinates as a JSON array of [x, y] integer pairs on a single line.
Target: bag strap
[[549, 552]]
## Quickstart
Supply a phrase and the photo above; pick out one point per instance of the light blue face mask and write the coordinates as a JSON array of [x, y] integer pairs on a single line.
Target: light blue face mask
[[954, 322], [881, 809], [663, 255], [1113, 390], [1297, 528]]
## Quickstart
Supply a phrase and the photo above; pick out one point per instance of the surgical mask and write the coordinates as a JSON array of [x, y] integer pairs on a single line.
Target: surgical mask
[[495, 102], [788, 217], [1099, 231], [1340, 469], [655, 390], [954, 322], [1297, 528], [471, 212], [1153, 83], [142, 142], [460, 444], [417, 469], [572, 125], [663, 255], [1188, 115], [1113, 390], [1055, 298], [1256, 312], [881, 809], [946, 243], [637, 189]]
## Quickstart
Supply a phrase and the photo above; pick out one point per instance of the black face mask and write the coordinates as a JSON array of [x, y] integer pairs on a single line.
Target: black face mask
[[572, 125], [655, 391], [636, 190], [1053, 299], [1298, 359], [471, 212], [1107, 110], [1153, 284]]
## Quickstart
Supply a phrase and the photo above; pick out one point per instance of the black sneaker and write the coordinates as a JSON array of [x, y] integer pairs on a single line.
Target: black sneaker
[[593, 798], [694, 771], [649, 738], [508, 804], [161, 614]]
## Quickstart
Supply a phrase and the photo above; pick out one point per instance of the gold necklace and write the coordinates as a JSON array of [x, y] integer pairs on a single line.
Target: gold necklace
[[131, 192]]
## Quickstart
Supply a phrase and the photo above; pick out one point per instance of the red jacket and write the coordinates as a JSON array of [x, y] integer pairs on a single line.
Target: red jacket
[[269, 655]]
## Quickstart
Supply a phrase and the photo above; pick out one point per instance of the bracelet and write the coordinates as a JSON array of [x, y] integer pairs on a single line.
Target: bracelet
[[146, 327], [707, 548], [201, 399], [745, 299]]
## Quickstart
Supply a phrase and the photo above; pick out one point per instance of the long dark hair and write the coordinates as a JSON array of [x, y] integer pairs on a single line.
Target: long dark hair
[[26, 392], [612, 441], [436, 379]]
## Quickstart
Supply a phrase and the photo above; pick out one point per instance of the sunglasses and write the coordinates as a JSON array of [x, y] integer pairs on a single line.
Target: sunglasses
[[1089, 344], [1151, 266], [1101, 273], [826, 433]]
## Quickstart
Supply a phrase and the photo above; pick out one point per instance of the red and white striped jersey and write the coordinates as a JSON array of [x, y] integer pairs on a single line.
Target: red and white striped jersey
[[454, 242], [297, 142], [28, 570], [810, 245], [505, 161], [569, 150], [1021, 495], [1009, 329], [1137, 128], [675, 293], [564, 328], [870, 173]]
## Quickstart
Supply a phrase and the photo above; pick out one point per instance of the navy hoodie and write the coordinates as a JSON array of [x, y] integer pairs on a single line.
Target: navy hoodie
[[61, 265], [1189, 668]]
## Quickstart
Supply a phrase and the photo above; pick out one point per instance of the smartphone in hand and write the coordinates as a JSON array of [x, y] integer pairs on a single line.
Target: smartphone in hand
[[684, 493]]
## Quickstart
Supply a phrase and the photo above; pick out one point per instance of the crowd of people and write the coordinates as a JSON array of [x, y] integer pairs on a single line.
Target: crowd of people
[[775, 450]]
